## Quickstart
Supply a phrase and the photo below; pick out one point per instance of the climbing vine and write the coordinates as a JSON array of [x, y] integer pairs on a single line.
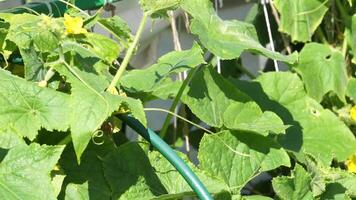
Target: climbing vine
[[63, 88]]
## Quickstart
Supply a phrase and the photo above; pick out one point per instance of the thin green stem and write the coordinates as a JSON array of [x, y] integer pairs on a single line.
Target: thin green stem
[[180, 117], [65, 140], [321, 36], [176, 101], [50, 73], [345, 16], [344, 47], [129, 53]]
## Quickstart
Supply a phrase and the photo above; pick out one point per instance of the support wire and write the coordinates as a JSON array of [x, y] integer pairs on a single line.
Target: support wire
[[264, 2]]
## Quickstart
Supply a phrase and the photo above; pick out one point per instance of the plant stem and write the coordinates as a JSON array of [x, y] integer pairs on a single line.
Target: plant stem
[[344, 47], [345, 16], [321, 36], [129, 53], [180, 117], [65, 140], [163, 131]]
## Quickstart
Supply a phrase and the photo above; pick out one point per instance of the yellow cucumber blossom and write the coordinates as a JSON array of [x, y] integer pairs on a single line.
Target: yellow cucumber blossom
[[353, 113], [351, 164], [74, 25]]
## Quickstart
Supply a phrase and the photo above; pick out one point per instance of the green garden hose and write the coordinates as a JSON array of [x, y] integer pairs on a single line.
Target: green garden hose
[[170, 155]]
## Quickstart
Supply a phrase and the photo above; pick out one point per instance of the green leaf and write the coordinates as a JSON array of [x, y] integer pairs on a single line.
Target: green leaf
[[315, 130], [23, 28], [167, 89], [328, 181], [130, 175], [90, 105], [158, 7], [335, 191], [3, 33], [77, 191], [9, 139], [104, 47], [34, 66], [209, 95], [46, 41], [237, 157], [296, 187], [351, 89], [300, 18], [226, 39], [118, 28], [79, 49], [249, 117], [134, 175], [25, 172], [29, 107], [152, 77], [353, 38], [57, 181], [322, 70], [89, 171]]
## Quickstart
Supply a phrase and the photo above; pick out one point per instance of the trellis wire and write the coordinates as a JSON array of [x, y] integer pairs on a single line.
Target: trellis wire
[[268, 24], [218, 62]]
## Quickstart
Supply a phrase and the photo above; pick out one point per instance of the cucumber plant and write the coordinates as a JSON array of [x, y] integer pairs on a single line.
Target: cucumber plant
[[60, 133]]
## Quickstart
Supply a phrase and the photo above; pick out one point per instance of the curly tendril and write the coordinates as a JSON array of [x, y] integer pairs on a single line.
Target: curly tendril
[[97, 135]]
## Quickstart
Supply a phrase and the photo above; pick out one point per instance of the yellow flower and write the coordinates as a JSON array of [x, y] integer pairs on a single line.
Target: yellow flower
[[351, 164], [74, 25], [353, 113]]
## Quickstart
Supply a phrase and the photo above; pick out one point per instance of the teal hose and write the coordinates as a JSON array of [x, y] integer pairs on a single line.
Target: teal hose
[[170, 155]]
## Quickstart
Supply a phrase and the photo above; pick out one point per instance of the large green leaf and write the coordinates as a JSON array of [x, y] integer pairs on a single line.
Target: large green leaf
[[104, 47], [300, 18], [9, 139], [27, 29], [152, 77], [353, 37], [226, 39], [296, 187], [237, 157], [91, 105], [118, 28], [29, 107], [23, 28], [330, 182], [25, 172], [210, 94], [88, 176], [77, 192], [33, 65], [134, 175], [315, 130], [322, 69], [351, 89], [249, 117], [217, 102]]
